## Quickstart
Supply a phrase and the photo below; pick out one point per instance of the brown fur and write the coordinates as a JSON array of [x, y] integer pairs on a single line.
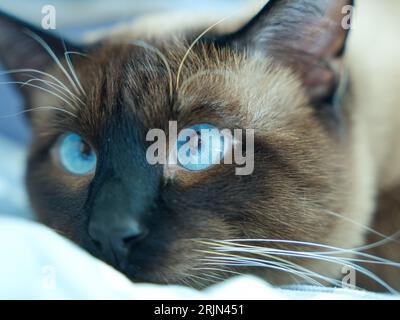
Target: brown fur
[[304, 169]]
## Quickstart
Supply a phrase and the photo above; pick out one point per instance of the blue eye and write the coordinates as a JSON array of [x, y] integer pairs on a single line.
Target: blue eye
[[200, 147], [75, 155]]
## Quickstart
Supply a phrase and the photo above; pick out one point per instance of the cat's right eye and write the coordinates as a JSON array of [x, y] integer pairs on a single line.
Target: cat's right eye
[[75, 155]]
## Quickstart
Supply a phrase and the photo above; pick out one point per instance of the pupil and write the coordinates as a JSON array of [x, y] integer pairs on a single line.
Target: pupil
[[85, 149]]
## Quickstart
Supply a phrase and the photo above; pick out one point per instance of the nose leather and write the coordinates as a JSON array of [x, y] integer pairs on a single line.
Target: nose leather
[[114, 241], [116, 220]]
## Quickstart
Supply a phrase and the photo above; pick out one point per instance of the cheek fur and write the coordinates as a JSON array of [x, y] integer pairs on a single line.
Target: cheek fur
[[57, 199]]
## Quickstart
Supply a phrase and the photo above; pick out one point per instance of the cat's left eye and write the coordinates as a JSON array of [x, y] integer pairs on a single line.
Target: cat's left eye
[[199, 147], [75, 155]]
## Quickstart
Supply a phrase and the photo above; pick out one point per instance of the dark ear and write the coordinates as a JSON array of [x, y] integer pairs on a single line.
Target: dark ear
[[307, 35], [22, 46]]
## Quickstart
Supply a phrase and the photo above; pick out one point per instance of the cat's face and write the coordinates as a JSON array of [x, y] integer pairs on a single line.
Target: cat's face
[[158, 222]]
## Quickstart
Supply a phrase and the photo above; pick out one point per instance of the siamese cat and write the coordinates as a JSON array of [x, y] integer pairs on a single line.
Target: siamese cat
[[322, 97]]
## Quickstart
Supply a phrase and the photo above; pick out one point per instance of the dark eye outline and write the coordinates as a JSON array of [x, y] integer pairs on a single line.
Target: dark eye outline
[[61, 161]]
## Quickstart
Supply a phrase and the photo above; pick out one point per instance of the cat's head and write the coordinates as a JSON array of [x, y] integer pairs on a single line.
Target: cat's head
[[88, 176]]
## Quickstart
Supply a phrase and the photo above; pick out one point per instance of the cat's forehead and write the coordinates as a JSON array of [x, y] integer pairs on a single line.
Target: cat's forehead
[[156, 83]]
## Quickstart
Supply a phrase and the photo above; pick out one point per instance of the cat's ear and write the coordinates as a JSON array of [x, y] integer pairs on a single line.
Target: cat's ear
[[307, 35], [24, 48]]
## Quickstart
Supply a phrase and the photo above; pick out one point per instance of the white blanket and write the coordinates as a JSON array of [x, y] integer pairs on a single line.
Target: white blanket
[[36, 263]]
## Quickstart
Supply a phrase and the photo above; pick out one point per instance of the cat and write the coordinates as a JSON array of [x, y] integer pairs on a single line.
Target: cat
[[320, 96]]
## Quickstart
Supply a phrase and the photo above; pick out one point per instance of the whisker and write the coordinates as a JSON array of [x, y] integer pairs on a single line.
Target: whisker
[[270, 252], [268, 265], [379, 243], [197, 280], [305, 276], [281, 263], [360, 225], [186, 281], [212, 277], [71, 67], [288, 266], [194, 43], [257, 249], [331, 259], [335, 250], [54, 86], [40, 88], [37, 109], [77, 53], [260, 250], [53, 56], [12, 71], [219, 270]]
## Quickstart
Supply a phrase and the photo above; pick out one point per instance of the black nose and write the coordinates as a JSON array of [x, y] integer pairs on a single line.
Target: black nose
[[114, 242], [118, 210]]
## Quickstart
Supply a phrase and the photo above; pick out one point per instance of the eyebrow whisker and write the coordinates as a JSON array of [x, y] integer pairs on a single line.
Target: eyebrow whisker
[[37, 109], [71, 67], [193, 44], [55, 86]]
